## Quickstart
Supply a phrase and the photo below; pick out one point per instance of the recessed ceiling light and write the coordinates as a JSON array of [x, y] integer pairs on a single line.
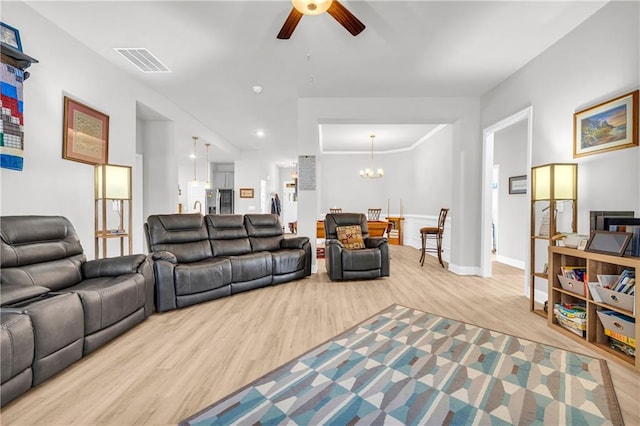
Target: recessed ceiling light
[[260, 133], [257, 88]]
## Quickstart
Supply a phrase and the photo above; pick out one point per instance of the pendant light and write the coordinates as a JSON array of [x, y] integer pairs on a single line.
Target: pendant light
[[207, 185], [195, 176], [368, 172]]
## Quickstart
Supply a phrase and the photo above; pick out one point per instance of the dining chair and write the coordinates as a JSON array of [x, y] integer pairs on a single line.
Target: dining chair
[[433, 232], [373, 214], [335, 210]]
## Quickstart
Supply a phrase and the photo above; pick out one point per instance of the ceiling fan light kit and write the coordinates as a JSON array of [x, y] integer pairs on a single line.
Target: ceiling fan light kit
[[311, 7], [316, 7]]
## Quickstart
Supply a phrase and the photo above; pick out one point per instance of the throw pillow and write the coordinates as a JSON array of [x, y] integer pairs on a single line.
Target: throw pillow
[[350, 237]]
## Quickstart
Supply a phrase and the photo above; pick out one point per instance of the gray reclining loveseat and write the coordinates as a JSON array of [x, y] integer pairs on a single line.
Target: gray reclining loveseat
[[55, 305], [198, 258]]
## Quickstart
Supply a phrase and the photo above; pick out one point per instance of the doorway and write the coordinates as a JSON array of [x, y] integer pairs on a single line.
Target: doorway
[[486, 235], [289, 206]]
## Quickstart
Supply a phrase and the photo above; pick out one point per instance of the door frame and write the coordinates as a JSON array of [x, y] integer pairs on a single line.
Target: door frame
[[487, 191]]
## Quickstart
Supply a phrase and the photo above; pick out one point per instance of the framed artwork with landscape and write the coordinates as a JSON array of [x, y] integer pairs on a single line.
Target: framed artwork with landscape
[[85, 133], [607, 126]]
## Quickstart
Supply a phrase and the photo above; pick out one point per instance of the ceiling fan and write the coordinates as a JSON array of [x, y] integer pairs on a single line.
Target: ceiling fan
[[316, 7]]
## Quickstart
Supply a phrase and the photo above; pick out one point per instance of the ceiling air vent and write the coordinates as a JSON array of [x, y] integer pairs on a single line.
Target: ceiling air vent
[[142, 58]]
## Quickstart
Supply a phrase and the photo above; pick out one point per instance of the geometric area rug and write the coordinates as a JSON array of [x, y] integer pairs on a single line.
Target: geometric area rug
[[404, 366]]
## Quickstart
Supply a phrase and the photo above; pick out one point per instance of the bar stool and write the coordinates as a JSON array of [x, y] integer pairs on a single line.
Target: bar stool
[[433, 232]]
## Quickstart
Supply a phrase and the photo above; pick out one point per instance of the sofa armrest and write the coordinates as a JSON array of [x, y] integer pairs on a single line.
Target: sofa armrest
[[112, 266], [12, 293], [333, 258], [294, 243], [164, 255], [375, 242]]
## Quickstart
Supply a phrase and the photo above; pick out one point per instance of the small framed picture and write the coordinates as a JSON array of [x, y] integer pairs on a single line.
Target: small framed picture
[[10, 36], [518, 184], [246, 192], [608, 242]]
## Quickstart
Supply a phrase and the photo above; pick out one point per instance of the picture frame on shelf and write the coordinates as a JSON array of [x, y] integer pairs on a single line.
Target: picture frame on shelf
[[246, 192], [10, 36], [608, 242], [608, 126], [518, 184], [85, 133]]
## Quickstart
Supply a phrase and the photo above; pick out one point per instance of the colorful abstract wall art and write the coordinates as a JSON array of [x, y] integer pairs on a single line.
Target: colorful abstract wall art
[[12, 123]]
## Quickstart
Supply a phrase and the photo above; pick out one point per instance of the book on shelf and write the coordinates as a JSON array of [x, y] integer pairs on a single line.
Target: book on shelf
[[577, 328], [571, 311], [577, 273], [622, 347], [621, 337], [607, 281], [625, 282]]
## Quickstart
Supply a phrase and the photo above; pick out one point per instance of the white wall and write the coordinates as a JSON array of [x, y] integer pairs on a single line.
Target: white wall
[[419, 178], [512, 227], [50, 185], [595, 62]]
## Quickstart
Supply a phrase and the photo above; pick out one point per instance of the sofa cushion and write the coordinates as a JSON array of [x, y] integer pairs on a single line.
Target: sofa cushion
[[250, 266], [264, 230], [361, 260], [350, 237], [184, 235], [10, 293], [107, 300], [40, 250], [202, 276], [228, 235], [36, 239], [287, 261]]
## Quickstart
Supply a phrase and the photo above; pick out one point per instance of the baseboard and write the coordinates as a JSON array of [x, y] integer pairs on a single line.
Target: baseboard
[[510, 261], [464, 270]]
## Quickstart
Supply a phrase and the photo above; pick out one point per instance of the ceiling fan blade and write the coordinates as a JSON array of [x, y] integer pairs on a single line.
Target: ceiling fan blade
[[290, 24], [345, 18]]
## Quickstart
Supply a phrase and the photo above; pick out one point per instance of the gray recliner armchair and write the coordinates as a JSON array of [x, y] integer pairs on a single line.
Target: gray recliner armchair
[[369, 262]]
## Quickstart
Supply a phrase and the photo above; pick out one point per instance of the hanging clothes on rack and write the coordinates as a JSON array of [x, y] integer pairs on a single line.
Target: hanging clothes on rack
[[275, 205]]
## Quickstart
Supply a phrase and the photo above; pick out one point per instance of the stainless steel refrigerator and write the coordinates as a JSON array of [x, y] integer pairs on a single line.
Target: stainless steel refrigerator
[[222, 201]]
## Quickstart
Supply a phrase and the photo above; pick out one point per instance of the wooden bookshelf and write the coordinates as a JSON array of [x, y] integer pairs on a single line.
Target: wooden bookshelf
[[595, 264]]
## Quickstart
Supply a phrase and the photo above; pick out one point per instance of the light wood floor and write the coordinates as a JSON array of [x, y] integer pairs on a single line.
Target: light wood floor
[[174, 364]]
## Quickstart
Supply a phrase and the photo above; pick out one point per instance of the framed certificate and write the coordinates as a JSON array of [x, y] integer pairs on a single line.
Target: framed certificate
[[246, 192]]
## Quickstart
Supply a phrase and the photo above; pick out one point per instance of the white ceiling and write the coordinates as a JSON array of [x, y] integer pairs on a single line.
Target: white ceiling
[[217, 50]]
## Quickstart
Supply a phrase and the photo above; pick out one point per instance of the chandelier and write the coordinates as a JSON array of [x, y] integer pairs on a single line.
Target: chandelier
[[368, 172]]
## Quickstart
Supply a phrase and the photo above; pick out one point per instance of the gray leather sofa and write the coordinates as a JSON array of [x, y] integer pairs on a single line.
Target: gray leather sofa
[[370, 262], [56, 306], [199, 258]]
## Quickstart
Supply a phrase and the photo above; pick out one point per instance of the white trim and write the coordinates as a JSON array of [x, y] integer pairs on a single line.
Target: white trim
[[411, 147], [516, 263]]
